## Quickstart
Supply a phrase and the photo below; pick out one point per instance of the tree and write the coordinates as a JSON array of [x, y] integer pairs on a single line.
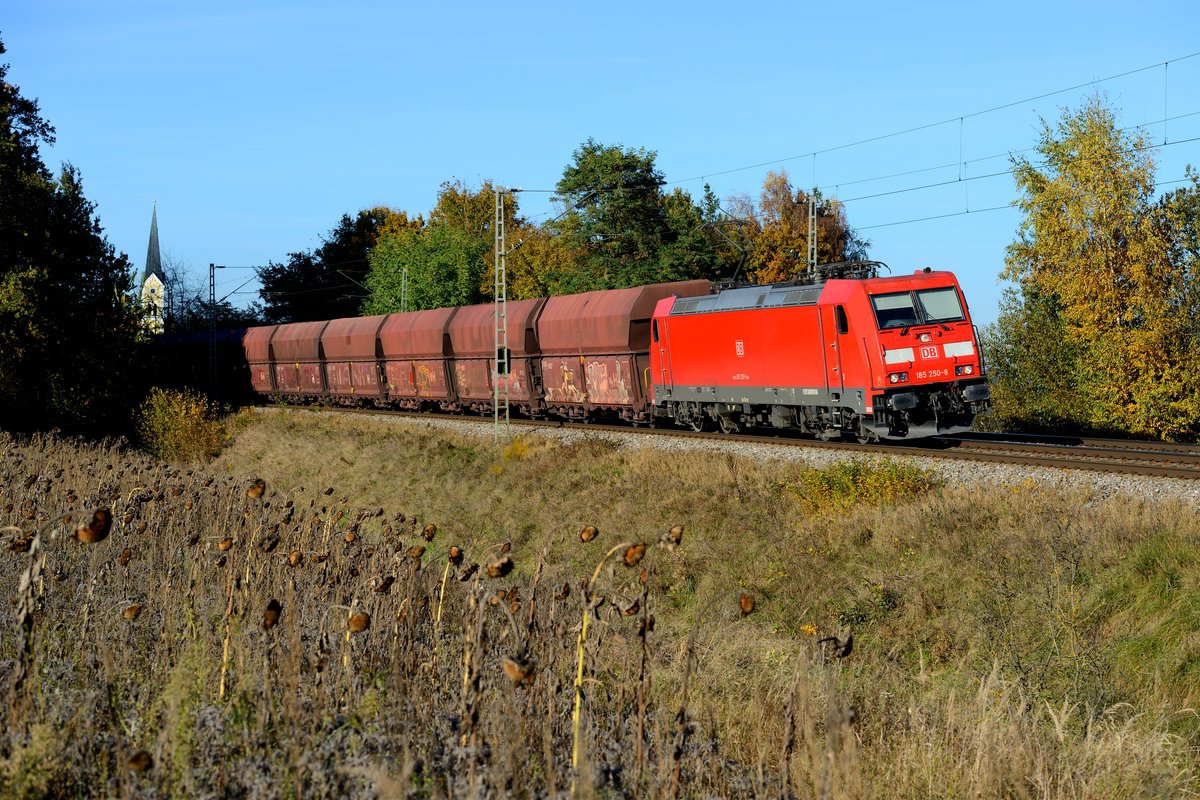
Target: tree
[[780, 239], [442, 265], [1177, 216], [327, 282], [627, 233], [692, 249], [535, 263], [447, 262], [195, 315], [1034, 366], [68, 327], [181, 288], [1111, 265], [474, 213], [725, 233], [187, 307]]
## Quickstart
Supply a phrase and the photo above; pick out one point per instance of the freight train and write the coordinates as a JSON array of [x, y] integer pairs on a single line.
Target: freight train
[[846, 355]]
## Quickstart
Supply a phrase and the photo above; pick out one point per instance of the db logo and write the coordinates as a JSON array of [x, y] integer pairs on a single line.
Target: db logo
[[740, 348], [929, 352]]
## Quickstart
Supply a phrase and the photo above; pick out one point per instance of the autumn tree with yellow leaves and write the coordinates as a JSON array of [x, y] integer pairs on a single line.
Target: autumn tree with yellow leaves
[[778, 235], [1100, 329]]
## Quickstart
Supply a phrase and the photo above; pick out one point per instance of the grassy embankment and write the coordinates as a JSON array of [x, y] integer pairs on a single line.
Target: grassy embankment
[[1008, 641]]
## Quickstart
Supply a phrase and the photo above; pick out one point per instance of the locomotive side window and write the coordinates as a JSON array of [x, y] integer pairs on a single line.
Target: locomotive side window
[[654, 330], [894, 310], [940, 305], [843, 324]]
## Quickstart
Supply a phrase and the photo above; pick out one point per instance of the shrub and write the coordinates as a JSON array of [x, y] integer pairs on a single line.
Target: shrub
[[180, 425], [859, 482]]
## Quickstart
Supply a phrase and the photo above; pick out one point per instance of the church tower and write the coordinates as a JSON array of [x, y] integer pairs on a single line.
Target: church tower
[[154, 281]]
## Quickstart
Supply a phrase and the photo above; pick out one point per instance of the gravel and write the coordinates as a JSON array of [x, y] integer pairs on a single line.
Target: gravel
[[953, 472]]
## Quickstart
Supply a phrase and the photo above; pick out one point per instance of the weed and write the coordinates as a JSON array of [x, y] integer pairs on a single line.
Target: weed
[[857, 483], [1039, 647], [180, 425]]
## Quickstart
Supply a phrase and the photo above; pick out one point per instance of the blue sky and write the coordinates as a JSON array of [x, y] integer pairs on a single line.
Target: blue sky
[[256, 125]]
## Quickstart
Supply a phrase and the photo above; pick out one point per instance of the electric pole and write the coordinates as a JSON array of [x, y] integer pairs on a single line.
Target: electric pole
[[212, 328], [812, 234], [500, 395]]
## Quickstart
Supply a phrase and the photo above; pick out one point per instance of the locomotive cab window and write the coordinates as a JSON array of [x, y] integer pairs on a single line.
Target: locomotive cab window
[[940, 305], [894, 310], [923, 307], [843, 324], [654, 330]]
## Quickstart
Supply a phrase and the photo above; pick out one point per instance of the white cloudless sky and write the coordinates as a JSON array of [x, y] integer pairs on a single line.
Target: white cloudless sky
[[255, 125]]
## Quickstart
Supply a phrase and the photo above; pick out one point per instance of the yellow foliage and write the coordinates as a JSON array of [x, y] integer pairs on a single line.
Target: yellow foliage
[[780, 240], [858, 482], [1097, 256], [180, 425], [517, 449]]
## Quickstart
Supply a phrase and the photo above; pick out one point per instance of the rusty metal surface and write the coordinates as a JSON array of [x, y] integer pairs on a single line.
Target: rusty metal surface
[[422, 379], [519, 379], [562, 380], [260, 377], [588, 381], [417, 334], [610, 321], [473, 329], [298, 341], [256, 344], [473, 378], [611, 381], [353, 378], [299, 378], [351, 339]]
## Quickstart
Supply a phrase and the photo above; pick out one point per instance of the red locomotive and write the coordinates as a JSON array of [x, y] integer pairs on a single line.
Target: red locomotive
[[850, 355], [855, 355]]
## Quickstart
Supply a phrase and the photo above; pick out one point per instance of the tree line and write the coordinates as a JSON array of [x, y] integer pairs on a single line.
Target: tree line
[[617, 225]]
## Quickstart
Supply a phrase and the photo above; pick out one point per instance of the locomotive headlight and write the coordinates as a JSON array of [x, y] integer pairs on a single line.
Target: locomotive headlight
[[926, 337], [969, 369], [898, 377]]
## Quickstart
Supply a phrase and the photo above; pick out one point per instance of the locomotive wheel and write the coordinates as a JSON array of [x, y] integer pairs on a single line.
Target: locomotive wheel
[[863, 437], [727, 425]]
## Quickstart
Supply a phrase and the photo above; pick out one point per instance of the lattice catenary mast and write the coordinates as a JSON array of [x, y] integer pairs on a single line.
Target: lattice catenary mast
[[500, 395]]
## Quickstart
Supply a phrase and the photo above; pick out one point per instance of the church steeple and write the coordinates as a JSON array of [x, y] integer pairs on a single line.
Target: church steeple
[[154, 281], [153, 257]]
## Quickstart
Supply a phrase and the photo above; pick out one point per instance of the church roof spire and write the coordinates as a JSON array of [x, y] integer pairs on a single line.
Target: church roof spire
[[153, 257]]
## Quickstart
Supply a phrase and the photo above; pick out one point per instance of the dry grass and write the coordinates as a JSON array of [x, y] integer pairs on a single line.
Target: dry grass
[[293, 639]]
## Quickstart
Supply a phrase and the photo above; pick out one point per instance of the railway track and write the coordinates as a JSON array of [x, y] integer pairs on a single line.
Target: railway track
[[1113, 456], [1117, 456]]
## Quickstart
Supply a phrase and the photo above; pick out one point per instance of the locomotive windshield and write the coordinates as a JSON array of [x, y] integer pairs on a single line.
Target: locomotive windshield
[[922, 307]]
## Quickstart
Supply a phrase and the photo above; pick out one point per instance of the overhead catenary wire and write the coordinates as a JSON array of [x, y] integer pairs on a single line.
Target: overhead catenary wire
[[948, 165], [1007, 154], [961, 163], [928, 125], [975, 211]]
